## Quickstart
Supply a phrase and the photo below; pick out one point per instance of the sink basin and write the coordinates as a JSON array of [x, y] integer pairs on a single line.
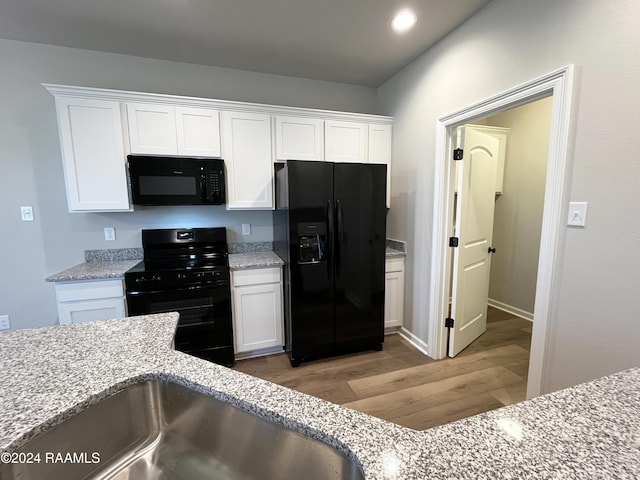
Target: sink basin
[[163, 430]]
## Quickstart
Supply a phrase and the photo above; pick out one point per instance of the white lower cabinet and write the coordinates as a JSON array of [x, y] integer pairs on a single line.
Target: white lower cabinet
[[89, 300], [394, 292], [257, 310]]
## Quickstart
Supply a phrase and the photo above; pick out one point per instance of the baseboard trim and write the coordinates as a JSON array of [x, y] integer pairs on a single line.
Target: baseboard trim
[[391, 330], [413, 340], [263, 352], [517, 312]]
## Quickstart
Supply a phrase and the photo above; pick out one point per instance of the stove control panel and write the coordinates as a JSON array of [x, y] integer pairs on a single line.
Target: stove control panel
[[178, 278]]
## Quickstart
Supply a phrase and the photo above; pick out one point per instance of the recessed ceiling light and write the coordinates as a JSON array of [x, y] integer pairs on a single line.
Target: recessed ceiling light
[[404, 20]]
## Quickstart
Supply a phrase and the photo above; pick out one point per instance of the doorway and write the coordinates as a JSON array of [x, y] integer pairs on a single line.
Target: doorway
[[560, 86], [511, 236]]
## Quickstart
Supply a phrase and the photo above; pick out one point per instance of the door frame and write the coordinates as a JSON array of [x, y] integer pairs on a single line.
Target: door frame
[[560, 84]]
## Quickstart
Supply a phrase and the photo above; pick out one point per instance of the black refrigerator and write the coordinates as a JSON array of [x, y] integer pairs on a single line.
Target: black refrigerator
[[330, 230]]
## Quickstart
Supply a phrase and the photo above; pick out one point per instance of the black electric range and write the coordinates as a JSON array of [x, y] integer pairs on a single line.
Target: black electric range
[[186, 270]]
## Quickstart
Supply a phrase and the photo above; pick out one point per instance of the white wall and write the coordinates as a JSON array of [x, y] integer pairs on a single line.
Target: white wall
[[518, 214], [595, 328], [32, 168]]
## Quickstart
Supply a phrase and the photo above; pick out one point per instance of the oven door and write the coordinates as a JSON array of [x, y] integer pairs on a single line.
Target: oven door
[[205, 325]]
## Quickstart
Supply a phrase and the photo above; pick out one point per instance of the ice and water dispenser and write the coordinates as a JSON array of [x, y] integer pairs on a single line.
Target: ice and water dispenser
[[312, 242]]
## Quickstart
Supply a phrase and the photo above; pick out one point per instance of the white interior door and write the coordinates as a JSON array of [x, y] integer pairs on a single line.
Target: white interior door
[[474, 229]]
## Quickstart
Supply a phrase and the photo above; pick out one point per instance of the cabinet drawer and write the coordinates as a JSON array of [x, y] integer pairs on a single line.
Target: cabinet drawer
[[91, 310], [394, 264], [256, 276], [89, 290]]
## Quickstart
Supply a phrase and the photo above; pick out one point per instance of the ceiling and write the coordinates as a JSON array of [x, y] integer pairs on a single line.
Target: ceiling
[[346, 41]]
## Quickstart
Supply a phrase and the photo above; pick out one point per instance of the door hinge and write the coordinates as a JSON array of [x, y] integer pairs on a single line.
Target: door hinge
[[453, 241], [448, 322], [458, 153]]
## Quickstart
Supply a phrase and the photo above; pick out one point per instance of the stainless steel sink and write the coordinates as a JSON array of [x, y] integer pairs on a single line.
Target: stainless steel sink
[[162, 430]]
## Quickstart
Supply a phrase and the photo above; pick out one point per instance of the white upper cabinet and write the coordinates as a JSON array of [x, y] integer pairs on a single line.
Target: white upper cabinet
[[198, 131], [380, 150], [346, 141], [99, 127], [93, 154], [247, 152], [169, 130], [299, 138], [152, 129]]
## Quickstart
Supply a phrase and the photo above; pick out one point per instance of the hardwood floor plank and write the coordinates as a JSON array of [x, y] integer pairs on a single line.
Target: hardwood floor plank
[[402, 385], [448, 412], [512, 394], [413, 399], [400, 379]]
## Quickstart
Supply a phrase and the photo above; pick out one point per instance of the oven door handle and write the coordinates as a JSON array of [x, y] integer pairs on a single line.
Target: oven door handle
[[140, 293]]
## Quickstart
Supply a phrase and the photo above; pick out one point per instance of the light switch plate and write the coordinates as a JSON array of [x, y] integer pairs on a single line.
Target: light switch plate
[[577, 214], [246, 229], [4, 322], [26, 213]]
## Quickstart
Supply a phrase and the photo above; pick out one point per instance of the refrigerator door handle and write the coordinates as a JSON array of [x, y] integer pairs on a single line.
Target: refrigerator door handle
[[330, 240], [338, 242]]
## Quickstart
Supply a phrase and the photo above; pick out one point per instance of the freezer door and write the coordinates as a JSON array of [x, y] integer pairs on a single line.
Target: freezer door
[[310, 323], [360, 211]]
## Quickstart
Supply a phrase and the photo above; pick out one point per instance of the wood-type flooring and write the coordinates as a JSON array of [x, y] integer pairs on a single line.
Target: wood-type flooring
[[402, 385]]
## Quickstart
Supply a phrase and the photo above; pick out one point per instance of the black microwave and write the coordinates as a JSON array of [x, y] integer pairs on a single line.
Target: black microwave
[[157, 180]]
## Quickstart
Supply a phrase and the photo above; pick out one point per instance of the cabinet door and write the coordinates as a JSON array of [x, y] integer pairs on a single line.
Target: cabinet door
[[93, 154], [257, 317], [346, 141], [394, 293], [152, 129], [246, 148], [380, 151], [90, 310], [198, 132], [299, 138]]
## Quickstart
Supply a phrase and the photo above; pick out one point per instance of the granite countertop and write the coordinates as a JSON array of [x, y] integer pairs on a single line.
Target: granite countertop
[[588, 431], [94, 270], [243, 261], [104, 264], [393, 253]]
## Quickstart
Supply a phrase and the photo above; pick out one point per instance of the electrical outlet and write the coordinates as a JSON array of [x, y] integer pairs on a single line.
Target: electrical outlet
[[109, 233], [26, 213], [4, 322], [246, 229]]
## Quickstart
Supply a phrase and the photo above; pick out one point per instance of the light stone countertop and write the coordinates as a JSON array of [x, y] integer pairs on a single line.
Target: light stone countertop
[[588, 431], [94, 270], [394, 253], [244, 261], [104, 269]]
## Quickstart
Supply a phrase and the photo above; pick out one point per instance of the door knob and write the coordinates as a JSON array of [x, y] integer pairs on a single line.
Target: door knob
[[491, 250]]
